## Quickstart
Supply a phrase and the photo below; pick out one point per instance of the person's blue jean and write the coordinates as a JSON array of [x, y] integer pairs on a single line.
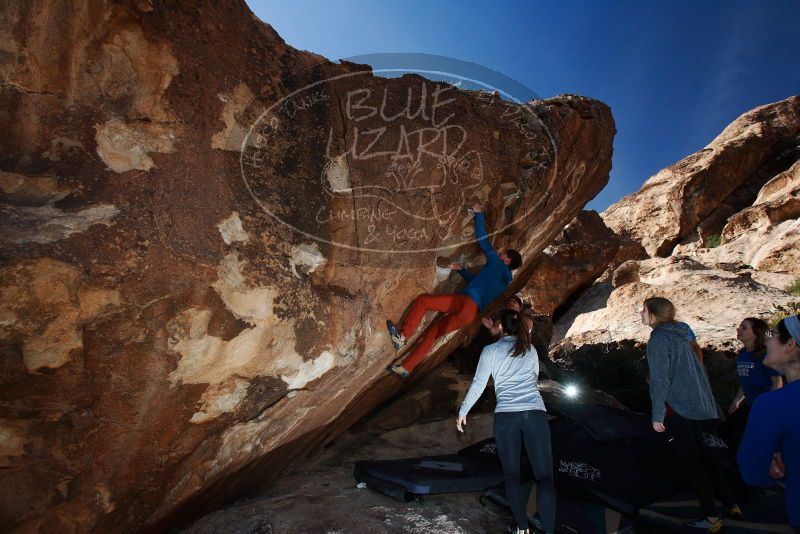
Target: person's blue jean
[[510, 429]]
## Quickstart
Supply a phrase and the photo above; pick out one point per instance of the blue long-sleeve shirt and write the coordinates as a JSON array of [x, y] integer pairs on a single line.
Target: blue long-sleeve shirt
[[493, 278], [774, 426]]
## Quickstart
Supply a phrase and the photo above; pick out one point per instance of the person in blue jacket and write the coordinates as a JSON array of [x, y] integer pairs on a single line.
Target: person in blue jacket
[[770, 448], [460, 309], [755, 378]]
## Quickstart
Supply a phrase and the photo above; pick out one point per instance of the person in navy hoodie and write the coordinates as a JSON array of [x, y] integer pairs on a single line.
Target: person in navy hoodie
[[755, 378], [460, 309], [770, 448]]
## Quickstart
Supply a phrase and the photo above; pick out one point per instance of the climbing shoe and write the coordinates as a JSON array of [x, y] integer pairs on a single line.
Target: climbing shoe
[[398, 340], [704, 524], [398, 370], [733, 512]]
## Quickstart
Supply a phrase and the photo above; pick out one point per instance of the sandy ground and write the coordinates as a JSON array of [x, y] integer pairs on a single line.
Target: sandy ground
[[321, 496]]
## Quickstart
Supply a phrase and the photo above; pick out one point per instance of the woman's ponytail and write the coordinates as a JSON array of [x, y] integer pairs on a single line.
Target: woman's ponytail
[[513, 325]]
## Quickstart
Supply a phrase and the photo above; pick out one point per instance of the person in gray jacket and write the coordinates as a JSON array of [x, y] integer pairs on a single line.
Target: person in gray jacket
[[679, 385], [519, 414]]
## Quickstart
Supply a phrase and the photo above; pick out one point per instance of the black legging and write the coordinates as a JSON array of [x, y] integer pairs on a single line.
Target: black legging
[[685, 437], [510, 428], [732, 430]]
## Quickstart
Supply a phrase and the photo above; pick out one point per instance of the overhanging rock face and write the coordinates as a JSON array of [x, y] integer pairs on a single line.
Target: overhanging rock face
[[203, 232]]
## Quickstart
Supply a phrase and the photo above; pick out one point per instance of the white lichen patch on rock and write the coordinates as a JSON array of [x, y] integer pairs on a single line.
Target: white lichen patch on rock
[[208, 359], [124, 147], [233, 135], [46, 224], [309, 371], [337, 173], [45, 284], [221, 398], [307, 256], [267, 348], [232, 231], [12, 439], [250, 304]]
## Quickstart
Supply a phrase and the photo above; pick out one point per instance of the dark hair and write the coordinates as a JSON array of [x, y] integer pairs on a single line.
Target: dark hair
[[783, 333], [515, 257], [517, 298], [760, 329], [513, 325]]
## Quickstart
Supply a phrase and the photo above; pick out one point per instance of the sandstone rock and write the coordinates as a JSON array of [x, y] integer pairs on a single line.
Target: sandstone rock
[[699, 193], [208, 231], [765, 235], [571, 263], [712, 301], [125, 147], [626, 273], [743, 187]]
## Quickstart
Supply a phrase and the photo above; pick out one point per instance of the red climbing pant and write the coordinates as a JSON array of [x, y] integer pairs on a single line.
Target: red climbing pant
[[461, 310]]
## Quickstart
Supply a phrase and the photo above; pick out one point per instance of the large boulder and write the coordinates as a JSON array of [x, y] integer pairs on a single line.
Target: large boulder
[[695, 197], [203, 231], [765, 235], [723, 226], [712, 301], [568, 266]]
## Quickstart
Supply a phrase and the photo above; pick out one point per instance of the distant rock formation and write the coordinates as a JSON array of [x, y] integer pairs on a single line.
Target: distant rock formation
[[723, 229], [713, 301], [567, 267], [695, 198], [203, 232]]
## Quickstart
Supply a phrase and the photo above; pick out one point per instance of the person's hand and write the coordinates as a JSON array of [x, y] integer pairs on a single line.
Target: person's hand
[[461, 422], [455, 266], [776, 468], [487, 322], [476, 207], [732, 407], [659, 427]]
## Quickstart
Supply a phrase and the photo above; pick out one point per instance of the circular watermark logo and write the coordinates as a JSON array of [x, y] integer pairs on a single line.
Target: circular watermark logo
[[391, 157]]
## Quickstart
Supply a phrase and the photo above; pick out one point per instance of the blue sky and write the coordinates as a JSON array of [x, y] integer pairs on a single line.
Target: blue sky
[[675, 73]]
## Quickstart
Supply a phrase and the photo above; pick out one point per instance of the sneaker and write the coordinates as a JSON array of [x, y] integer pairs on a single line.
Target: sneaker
[[733, 512], [398, 370], [398, 339], [704, 524]]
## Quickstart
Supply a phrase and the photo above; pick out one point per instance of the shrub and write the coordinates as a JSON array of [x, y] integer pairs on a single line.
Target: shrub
[[713, 241], [793, 288], [793, 308]]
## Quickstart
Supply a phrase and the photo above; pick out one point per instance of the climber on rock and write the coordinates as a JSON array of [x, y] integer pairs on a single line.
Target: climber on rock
[[461, 308]]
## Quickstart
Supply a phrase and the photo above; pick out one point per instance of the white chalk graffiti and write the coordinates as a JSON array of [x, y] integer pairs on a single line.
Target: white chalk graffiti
[[396, 172]]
